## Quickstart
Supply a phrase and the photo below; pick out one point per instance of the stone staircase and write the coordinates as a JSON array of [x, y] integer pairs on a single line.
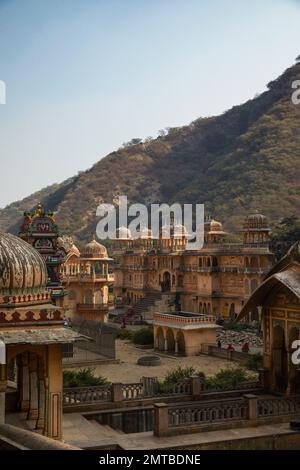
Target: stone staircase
[[144, 308], [154, 302]]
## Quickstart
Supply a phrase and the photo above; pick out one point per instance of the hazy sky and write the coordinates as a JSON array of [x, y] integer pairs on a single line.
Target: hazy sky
[[84, 76]]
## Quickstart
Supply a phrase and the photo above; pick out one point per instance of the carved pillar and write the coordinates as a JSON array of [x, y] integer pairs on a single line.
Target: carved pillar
[[53, 383], [40, 423], [24, 382], [176, 346], [33, 387], [166, 344]]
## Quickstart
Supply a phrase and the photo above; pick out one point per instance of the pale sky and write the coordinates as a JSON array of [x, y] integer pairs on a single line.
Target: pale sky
[[84, 76]]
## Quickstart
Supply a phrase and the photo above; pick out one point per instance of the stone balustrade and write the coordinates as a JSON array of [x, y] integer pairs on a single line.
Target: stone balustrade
[[181, 319], [169, 418]]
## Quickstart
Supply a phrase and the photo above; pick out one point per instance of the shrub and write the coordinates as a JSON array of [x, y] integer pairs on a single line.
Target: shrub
[[173, 377], [143, 336], [82, 378], [226, 379], [254, 362], [124, 333]]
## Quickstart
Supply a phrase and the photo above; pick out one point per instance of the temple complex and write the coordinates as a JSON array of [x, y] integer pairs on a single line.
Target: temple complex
[[86, 279], [32, 333], [216, 280]]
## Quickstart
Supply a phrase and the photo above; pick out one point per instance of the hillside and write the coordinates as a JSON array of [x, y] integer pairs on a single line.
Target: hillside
[[244, 159]]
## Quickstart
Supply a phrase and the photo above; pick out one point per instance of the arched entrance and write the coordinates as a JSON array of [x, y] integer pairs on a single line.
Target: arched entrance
[[166, 283], [160, 339], [26, 392], [232, 312], [180, 342], [170, 340], [279, 358]]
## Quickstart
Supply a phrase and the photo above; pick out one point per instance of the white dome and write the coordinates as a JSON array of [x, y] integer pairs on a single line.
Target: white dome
[[123, 233]]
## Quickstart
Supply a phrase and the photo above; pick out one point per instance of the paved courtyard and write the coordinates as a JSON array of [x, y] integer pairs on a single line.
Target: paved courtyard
[[128, 371]]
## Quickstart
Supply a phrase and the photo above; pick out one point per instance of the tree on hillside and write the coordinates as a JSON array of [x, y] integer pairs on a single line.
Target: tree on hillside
[[284, 235]]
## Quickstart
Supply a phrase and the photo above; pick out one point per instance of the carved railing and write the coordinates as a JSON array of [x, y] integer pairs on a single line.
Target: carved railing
[[278, 406], [86, 395], [182, 387], [207, 412], [132, 391]]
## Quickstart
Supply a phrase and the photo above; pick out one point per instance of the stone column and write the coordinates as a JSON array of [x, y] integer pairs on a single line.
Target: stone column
[[196, 385], [252, 406], [24, 382], [166, 344], [176, 346], [33, 387], [40, 423], [54, 386], [161, 420], [117, 392]]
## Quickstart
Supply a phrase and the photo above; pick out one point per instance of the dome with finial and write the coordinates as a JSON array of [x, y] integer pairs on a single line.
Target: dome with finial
[[256, 221], [67, 243], [94, 249], [22, 268], [123, 233]]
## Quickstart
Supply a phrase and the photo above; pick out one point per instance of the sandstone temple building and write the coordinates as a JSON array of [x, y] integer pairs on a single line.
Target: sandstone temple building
[[32, 333], [216, 279], [279, 298], [86, 279]]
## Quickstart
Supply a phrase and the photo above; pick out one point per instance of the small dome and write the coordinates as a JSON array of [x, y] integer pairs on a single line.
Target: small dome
[[216, 226], [180, 231], [256, 221], [22, 268], [94, 249], [146, 233], [123, 233]]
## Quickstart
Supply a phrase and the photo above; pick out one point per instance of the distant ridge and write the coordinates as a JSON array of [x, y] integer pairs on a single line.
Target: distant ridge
[[246, 158]]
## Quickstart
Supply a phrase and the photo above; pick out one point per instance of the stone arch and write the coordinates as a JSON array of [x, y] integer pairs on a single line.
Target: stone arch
[[88, 296], [166, 284], [232, 311], [26, 370], [160, 339], [170, 340], [181, 342]]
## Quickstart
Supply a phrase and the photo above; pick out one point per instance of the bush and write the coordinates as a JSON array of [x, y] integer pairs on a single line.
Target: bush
[[143, 336], [226, 379], [82, 378], [254, 362], [123, 333], [173, 377]]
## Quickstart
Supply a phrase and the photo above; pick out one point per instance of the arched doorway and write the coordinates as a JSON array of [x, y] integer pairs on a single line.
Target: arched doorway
[[170, 340], [166, 284], [279, 358], [88, 297], [232, 311], [160, 339], [26, 391], [181, 342]]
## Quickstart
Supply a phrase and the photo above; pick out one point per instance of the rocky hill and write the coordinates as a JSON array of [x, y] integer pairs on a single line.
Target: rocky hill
[[245, 159]]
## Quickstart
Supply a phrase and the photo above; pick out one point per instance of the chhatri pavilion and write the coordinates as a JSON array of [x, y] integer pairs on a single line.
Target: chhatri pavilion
[[32, 333]]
